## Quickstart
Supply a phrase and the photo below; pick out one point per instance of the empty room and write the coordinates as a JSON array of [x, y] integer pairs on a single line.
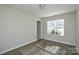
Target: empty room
[[39, 29]]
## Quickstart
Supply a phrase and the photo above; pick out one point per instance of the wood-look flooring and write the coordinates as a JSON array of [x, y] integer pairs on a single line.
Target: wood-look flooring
[[40, 47]]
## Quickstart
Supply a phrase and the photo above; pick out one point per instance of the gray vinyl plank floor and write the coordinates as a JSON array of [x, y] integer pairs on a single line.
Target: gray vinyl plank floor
[[44, 47]]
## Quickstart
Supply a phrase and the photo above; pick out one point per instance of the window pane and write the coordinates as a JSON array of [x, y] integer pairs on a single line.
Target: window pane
[[56, 27]]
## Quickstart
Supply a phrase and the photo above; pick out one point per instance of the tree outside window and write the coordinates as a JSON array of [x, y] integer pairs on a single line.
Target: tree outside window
[[56, 27]]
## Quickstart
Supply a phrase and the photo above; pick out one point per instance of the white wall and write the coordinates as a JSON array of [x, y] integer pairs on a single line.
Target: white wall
[[69, 30], [77, 30], [16, 28]]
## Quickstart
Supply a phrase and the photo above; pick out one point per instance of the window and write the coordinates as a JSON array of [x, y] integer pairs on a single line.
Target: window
[[56, 27]]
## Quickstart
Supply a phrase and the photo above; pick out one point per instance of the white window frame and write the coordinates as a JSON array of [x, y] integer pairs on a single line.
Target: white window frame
[[51, 21]]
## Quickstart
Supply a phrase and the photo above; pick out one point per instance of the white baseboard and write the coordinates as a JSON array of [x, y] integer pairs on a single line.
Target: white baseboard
[[63, 42], [17, 47]]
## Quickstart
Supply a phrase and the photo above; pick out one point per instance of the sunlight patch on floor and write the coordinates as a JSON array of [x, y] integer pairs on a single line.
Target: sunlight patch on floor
[[52, 49]]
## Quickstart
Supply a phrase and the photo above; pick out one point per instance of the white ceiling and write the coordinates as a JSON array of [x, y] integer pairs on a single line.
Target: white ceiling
[[48, 10]]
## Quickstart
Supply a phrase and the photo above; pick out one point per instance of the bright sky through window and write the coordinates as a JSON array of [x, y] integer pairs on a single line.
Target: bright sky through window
[[55, 27]]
